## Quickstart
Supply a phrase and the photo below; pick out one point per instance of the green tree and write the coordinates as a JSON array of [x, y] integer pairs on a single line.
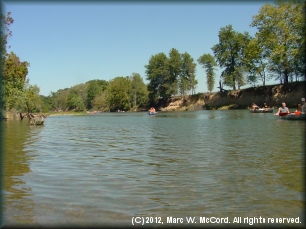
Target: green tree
[[31, 98], [95, 88], [229, 55], [81, 90], [60, 99], [157, 72], [174, 68], [187, 74], [15, 73], [255, 59], [117, 96], [281, 32], [75, 101], [99, 102], [18, 93], [102, 83], [6, 21], [47, 103], [25, 100], [168, 75], [139, 92], [208, 62]]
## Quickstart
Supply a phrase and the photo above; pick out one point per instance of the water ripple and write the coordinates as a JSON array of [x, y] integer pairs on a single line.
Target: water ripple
[[110, 167]]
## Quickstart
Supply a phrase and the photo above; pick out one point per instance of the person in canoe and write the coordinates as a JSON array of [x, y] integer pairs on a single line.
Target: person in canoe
[[255, 107], [299, 108], [283, 109], [265, 106], [303, 106], [152, 110]]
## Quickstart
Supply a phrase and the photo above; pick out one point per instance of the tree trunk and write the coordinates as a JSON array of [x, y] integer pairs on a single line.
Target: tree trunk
[[286, 76], [28, 108], [264, 79], [135, 98]]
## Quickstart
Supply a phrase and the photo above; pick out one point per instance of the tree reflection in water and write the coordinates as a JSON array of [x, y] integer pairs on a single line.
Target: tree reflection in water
[[18, 206]]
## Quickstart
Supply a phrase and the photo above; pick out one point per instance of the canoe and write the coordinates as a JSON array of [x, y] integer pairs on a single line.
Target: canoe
[[152, 113], [262, 110], [293, 116]]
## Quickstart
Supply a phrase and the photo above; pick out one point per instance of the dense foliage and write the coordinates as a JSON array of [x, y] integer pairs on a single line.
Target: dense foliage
[[121, 93], [17, 95], [169, 75], [229, 55], [281, 36], [277, 50], [208, 62]]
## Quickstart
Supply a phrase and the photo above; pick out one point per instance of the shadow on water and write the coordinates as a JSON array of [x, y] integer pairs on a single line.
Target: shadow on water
[[18, 206]]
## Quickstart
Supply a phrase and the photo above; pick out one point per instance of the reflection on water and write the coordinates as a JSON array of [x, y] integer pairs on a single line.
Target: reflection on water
[[15, 167], [107, 168]]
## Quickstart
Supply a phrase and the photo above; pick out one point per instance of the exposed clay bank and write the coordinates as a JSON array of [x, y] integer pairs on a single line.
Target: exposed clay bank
[[273, 95]]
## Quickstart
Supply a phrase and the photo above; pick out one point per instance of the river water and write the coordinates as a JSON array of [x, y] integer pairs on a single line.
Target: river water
[[107, 168]]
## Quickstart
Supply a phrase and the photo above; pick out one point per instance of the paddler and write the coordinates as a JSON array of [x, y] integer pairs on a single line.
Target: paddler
[[254, 106], [299, 108], [283, 109], [265, 106], [303, 106]]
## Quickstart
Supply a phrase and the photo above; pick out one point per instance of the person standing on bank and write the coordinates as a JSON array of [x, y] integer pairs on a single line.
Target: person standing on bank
[[283, 109]]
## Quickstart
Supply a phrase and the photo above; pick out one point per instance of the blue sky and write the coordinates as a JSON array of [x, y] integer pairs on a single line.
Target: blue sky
[[71, 43]]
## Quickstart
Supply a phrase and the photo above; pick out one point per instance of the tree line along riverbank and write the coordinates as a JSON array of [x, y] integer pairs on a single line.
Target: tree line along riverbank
[[273, 95], [275, 52]]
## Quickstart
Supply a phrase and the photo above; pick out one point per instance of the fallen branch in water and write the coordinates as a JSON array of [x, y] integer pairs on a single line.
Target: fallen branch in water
[[37, 119]]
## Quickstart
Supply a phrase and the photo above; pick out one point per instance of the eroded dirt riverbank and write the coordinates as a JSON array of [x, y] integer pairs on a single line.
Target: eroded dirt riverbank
[[273, 95]]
